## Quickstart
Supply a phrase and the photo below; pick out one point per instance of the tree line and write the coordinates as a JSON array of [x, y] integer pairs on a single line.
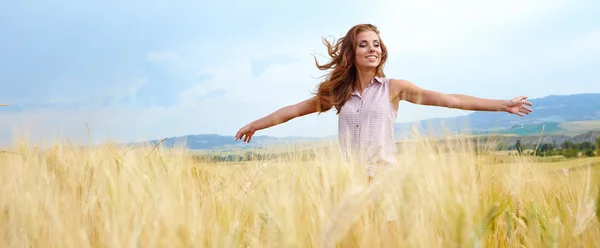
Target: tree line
[[567, 149]]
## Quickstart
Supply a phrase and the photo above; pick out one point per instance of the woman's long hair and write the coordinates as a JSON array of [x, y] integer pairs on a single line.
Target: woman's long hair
[[338, 86]]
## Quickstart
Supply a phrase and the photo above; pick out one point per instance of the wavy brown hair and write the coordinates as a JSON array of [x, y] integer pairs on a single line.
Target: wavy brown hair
[[338, 86]]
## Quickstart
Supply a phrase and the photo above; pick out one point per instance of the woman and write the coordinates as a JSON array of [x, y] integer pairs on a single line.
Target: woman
[[367, 101]]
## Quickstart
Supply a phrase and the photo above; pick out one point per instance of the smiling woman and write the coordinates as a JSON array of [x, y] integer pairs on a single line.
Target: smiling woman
[[366, 101]]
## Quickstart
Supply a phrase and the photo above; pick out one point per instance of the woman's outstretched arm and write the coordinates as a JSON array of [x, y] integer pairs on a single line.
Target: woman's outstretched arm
[[282, 115], [414, 94]]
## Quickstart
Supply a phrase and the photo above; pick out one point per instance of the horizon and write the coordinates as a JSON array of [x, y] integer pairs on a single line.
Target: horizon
[[397, 123], [335, 135], [145, 71]]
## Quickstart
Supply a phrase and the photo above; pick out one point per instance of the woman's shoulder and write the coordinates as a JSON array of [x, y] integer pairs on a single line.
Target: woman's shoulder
[[397, 82], [396, 85], [391, 80]]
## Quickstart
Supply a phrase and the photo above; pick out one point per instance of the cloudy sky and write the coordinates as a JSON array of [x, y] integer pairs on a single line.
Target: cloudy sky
[[133, 70]]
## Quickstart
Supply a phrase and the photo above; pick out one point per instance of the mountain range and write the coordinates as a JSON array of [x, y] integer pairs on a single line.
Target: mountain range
[[558, 114]]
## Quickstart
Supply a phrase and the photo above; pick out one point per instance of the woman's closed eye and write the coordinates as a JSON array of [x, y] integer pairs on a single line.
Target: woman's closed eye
[[376, 44]]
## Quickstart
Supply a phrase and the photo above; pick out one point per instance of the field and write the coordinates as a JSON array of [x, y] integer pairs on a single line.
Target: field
[[580, 126], [112, 196]]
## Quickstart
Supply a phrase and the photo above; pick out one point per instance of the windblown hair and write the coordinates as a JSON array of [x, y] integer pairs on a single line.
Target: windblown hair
[[338, 86]]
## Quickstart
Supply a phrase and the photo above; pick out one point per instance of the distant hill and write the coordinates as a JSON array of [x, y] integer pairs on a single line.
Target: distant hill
[[560, 115], [550, 111]]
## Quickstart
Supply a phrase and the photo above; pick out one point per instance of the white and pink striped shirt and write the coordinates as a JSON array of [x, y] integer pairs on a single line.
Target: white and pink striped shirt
[[366, 125]]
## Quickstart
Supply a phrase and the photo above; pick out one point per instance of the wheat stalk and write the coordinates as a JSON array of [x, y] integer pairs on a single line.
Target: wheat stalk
[[539, 141], [3, 105]]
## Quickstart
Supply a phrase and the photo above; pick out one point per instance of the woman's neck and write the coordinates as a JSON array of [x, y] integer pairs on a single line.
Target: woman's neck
[[364, 78]]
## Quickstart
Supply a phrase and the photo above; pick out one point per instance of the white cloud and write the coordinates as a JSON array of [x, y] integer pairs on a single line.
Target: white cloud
[[127, 88], [248, 97]]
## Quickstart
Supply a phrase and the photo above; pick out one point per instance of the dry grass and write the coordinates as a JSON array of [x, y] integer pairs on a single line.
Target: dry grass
[[581, 125], [113, 196]]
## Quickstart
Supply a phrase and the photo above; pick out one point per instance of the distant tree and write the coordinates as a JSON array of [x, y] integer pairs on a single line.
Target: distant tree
[[519, 147], [570, 153], [546, 147], [598, 145], [249, 156], [568, 145], [585, 145]]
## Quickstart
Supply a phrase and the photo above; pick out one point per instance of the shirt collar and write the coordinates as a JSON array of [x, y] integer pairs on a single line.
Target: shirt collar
[[376, 79]]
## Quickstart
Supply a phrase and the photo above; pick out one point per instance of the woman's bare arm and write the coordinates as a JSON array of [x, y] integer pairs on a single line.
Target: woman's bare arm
[[282, 115], [414, 94]]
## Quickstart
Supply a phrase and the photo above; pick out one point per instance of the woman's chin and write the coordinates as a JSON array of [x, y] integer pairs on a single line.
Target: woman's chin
[[369, 66]]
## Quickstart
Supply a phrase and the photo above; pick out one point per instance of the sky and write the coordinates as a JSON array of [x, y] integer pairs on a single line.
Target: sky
[[134, 70]]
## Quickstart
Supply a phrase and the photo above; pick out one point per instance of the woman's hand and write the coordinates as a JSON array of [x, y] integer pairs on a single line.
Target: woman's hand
[[518, 106], [246, 133]]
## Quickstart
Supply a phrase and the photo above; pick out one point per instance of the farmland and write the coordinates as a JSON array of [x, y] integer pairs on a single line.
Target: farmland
[[441, 195]]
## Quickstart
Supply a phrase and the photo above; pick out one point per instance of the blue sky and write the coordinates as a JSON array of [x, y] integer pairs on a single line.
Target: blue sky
[[134, 71]]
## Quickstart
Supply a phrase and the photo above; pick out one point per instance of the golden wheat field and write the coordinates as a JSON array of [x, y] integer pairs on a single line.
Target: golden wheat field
[[116, 196]]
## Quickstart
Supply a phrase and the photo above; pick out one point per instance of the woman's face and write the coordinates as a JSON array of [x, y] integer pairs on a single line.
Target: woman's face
[[368, 50]]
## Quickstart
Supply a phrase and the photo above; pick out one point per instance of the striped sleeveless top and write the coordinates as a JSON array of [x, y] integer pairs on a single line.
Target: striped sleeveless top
[[366, 125]]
